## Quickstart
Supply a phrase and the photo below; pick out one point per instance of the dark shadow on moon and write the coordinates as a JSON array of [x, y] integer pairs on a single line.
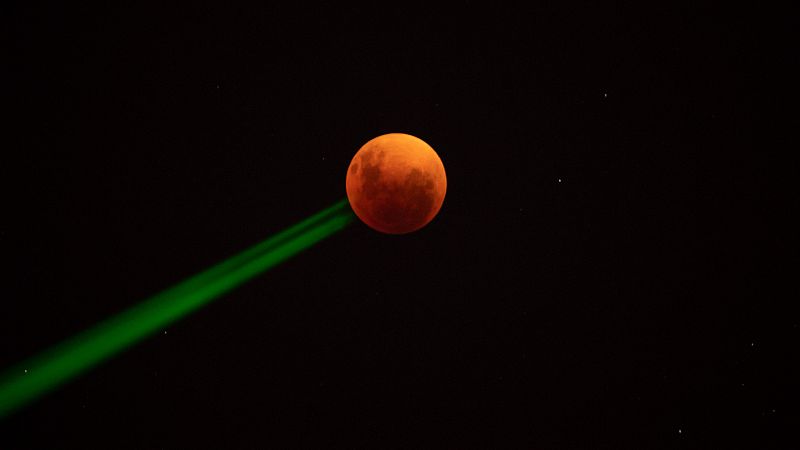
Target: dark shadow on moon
[[394, 206]]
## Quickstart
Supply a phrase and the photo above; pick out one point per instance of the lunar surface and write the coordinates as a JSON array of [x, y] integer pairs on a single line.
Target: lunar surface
[[396, 183]]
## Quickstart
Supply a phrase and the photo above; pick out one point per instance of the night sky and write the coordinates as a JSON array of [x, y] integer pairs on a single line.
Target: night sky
[[595, 278]]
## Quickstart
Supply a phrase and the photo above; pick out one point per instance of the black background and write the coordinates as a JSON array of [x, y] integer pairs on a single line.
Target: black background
[[593, 280]]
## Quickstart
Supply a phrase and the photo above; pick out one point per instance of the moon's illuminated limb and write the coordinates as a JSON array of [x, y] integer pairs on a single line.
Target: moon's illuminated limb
[[43, 373]]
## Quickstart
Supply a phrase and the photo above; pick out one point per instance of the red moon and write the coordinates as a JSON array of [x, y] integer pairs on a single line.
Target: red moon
[[396, 183]]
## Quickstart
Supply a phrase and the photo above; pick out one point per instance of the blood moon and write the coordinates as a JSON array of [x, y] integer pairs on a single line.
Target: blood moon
[[396, 183]]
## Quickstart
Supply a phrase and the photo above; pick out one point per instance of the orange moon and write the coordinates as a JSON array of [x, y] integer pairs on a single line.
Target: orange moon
[[396, 183]]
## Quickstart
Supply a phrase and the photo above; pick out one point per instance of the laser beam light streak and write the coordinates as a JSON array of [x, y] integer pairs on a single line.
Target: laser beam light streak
[[42, 373]]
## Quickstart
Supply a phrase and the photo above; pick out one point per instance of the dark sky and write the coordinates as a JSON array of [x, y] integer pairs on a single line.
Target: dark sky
[[592, 280]]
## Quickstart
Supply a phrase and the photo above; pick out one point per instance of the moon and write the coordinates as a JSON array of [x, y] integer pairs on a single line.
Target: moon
[[396, 183]]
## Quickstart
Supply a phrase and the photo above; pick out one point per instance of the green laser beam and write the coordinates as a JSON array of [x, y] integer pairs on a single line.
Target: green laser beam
[[42, 373]]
